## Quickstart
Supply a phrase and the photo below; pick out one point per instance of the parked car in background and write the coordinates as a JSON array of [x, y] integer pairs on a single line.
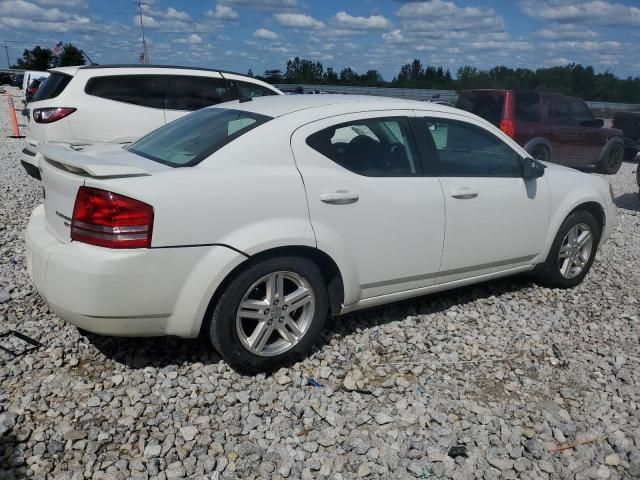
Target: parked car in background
[[32, 88], [121, 103], [249, 222], [6, 78], [18, 79], [629, 123], [551, 127], [27, 77]]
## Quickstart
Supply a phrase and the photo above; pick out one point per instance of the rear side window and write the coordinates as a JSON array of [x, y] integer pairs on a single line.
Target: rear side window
[[488, 105], [252, 90], [192, 138], [144, 90], [560, 111], [375, 147], [194, 93], [527, 106], [52, 86]]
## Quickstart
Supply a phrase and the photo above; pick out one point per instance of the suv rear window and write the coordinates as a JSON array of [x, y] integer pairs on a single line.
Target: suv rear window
[[527, 106], [53, 86], [192, 138], [488, 105], [144, 90]]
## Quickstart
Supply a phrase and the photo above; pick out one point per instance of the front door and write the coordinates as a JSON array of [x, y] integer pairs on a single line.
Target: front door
[[566, 134], [495, 220], [371, 206]]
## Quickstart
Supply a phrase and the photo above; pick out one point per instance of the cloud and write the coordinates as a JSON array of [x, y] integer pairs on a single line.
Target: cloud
[[223, 12], [594, 12], [193, 39], [265, 34], [565, 32], [298, 20], [344, 20], [174, 14], [266, 4], [395, 36]]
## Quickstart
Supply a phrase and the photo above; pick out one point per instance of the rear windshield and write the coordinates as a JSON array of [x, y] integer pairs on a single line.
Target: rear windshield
[[192, 138], [487, 105], [52, 86]]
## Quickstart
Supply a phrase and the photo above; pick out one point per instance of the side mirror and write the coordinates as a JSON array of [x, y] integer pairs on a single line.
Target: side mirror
[[532, 169]]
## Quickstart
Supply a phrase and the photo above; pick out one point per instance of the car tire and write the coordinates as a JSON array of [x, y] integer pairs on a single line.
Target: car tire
[[540, 152], [255, 326], [611, 162], [567, 263]]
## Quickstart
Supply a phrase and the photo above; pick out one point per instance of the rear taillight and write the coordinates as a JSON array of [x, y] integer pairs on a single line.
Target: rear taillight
[[111, 220], [50, 115], [507, 124], [508, 127]]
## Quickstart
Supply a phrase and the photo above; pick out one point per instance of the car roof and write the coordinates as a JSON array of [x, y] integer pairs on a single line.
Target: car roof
[[277, 106], [138, 65]]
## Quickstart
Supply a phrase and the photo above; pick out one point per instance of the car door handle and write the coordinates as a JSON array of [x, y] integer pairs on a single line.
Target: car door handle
[[464, 193], [340, 197]]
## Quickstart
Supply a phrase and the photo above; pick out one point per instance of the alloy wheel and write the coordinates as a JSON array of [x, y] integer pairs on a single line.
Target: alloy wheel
[[575, 250], [275, 313]]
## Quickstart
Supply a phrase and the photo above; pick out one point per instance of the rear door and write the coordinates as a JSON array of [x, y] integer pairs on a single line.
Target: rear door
[[120, 108], [372, 206], [190, 93], [565, 134]]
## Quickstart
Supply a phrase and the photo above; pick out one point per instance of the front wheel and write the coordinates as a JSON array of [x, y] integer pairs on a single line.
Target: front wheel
[[270, 315], [572, 252]]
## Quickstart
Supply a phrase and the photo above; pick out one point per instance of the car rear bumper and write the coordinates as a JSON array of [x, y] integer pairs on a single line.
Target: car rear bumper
[[137, 292]]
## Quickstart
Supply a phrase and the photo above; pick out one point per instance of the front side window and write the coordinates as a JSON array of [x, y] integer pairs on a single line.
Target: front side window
[[581, 112], [465, 150], [143, 90], [374, 147], [192, 138], [194, 93]]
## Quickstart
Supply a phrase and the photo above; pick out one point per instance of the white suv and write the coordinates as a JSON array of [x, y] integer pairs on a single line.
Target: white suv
[[121, 103]]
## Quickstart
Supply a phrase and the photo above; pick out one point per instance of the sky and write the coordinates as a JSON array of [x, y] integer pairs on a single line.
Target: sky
[[239, 35]]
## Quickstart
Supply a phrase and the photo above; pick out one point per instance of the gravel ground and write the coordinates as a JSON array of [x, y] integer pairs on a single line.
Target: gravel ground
[[503, 371]]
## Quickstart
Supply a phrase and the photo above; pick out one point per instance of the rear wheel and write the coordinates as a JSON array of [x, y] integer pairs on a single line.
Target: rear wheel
[[270, 315], [612, 160], [572, 252], [540, 152]]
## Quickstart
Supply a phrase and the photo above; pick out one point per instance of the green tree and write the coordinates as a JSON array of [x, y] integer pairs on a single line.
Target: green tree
[[273, 76], [70, 56], [35, 59]]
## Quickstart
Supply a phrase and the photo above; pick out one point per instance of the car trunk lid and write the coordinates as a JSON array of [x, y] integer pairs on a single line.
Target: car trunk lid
[[64, 170]]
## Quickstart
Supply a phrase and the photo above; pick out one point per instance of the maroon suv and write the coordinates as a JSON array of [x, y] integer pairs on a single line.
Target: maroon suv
[[550, 126]]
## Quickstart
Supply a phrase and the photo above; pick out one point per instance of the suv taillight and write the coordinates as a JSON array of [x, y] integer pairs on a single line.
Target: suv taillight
[[50, 115], [111, 220], [508, 127]]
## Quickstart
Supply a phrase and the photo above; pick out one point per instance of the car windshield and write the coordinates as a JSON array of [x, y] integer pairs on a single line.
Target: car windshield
[[192, 138]]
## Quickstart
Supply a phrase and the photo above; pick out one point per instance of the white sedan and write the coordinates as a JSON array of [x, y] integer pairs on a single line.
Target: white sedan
[[250, 222]]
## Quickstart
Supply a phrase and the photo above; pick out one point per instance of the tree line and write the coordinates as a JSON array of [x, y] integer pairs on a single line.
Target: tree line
[[41, 59], [572, 79]]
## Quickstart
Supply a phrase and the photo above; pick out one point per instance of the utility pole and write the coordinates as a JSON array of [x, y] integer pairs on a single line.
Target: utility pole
[[6, 50], [145, 50]]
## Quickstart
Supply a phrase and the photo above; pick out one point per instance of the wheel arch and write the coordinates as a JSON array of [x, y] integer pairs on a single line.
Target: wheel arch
[[328, 267], [595, 209]]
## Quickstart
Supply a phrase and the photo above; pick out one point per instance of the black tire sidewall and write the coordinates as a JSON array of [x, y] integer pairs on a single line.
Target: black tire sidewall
[[222, 329], [604, 166], [546, 151], [551, 275]]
